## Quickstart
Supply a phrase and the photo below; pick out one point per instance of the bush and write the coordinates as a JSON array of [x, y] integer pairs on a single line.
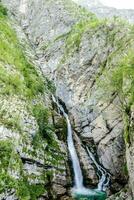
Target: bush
[[3, 10]]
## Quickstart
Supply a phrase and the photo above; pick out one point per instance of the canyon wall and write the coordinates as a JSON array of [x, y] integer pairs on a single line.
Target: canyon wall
[[77, 51]]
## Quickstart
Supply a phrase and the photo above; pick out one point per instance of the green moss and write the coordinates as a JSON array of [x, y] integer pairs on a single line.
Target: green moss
[[125, 170], [36, 191]]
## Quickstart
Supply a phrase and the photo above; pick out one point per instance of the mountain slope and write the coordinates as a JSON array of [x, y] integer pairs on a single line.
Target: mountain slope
[[30, 152]]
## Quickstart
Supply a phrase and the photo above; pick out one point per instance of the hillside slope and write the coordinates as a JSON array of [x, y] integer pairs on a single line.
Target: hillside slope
[[31, 156]]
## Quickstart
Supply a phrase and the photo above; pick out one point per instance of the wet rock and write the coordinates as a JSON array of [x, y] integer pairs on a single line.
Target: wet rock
[[122, 195], [86, 163], [58, 189]]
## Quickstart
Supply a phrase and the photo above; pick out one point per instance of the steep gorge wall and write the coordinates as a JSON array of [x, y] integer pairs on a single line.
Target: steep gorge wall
[[74, 49], [32, 158]]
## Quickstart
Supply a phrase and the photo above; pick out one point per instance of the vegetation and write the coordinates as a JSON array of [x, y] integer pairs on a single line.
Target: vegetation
[[119, 81], [20, 81], [46, 130], [3, 11], [75, 10], [73, 39], [26, 80]]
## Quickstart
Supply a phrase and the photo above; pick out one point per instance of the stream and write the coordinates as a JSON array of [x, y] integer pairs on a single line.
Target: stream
[[79, 191]]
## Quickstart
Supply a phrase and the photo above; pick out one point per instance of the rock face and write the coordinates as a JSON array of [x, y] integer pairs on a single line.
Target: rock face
[[74, 49], [130, 151], [103, 11], [31, 156]]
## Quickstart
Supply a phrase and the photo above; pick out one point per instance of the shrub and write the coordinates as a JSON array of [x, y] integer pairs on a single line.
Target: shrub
[[3, 10]]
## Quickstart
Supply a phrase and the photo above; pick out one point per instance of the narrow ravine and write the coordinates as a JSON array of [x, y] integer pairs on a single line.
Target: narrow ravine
[[79, 191]]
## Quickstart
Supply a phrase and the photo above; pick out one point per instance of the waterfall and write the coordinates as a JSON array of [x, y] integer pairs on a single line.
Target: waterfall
[[104, 177], [79, 188], [78, 178]]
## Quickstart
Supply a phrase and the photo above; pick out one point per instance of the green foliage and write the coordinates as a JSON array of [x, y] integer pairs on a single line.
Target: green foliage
[[74, 37], [61, 128], [10, 84], [119, 81], [41, 114], [11, 160], [36, 191], [125, 169], [6, 149], [3, 11], [12, 122], [46, 130], [126, 120], [50, 85], [25, 191], [19, 78], [5, 153], [27, 81]]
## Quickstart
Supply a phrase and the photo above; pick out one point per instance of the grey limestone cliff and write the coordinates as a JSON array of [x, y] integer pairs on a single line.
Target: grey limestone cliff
[[75, 49]]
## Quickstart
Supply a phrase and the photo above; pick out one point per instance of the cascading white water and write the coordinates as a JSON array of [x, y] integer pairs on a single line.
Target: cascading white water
[[78, 178], [105, 177]]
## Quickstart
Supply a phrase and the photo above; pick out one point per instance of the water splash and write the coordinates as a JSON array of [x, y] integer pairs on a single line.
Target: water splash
[[104, 176], [79, 191], [78, 178]]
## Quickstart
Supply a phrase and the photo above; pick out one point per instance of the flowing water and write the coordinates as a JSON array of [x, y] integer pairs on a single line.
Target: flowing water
[[78, 178], [79, 191], [104, 176]]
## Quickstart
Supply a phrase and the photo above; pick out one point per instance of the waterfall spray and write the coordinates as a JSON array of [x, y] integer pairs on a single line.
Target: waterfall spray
[[79, 189], [78, 178]]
